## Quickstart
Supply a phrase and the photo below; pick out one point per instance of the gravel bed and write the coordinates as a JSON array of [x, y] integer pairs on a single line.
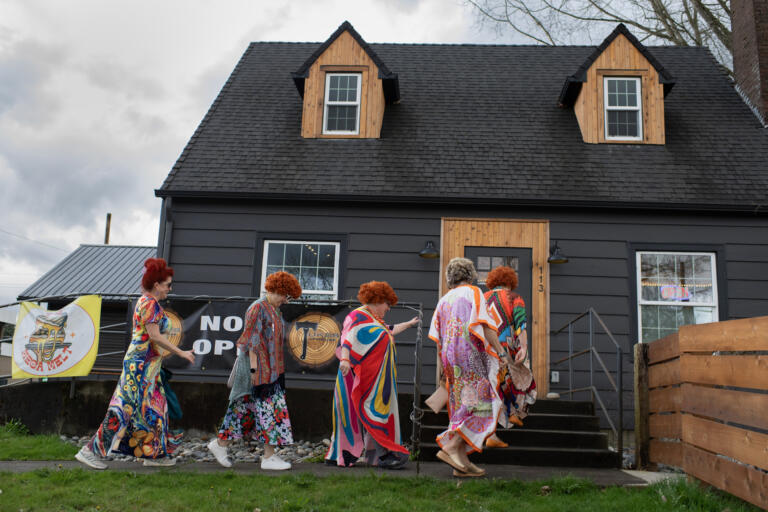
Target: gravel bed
[[194, 449]]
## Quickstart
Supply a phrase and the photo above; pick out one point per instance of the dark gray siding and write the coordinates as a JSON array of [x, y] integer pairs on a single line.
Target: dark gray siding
[[213, 249]]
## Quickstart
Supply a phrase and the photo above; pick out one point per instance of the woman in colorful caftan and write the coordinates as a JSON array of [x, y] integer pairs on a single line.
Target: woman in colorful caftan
[[471, 357], [510, 307], [257, 409], [136, 422], [365, 414]]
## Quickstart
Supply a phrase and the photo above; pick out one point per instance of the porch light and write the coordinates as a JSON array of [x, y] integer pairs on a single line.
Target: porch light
[[429, 251], [557, 257]]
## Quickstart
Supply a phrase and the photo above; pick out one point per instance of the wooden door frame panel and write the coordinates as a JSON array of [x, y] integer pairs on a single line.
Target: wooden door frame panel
[[456, 233]]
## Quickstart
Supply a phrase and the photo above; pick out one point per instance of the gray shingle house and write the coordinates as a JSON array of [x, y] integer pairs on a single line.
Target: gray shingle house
[[340, 161]]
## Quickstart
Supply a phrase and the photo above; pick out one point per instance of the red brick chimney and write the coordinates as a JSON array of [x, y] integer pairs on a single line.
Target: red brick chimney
[[749, 22]]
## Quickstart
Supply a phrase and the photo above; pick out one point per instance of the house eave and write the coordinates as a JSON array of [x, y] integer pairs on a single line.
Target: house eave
[[744, 208]]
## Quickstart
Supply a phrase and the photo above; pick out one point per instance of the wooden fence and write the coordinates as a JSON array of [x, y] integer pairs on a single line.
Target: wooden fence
[[701, 404]]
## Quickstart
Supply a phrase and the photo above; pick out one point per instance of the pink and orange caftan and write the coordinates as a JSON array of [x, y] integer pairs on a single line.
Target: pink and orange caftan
[[470, 365]]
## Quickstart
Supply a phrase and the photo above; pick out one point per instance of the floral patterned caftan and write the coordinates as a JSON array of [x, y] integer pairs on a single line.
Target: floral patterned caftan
[[136, 422], [470, 365], [261, 412]]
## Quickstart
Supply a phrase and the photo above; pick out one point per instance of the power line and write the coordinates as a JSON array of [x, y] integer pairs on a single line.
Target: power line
[[33, 241]]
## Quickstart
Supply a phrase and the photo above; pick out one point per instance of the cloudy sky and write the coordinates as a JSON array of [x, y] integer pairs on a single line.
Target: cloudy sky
[[98, 98]]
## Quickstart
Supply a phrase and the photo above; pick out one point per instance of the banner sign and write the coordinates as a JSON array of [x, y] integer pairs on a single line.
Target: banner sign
[[61, 343], [211, 330]]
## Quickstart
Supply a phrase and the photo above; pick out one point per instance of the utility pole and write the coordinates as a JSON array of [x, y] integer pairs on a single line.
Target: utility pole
[[106, 232]]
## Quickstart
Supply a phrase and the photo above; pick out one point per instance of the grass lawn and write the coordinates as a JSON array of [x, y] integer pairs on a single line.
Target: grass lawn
[[120, 491], [17, 444], [80, 489]]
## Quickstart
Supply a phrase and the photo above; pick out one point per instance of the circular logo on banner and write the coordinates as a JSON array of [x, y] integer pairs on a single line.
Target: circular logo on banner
[[313, 338], [173, 330], [52, 342]]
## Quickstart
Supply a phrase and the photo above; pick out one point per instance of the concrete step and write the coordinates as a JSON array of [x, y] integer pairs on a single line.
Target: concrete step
[[563, 407], [536, 456]]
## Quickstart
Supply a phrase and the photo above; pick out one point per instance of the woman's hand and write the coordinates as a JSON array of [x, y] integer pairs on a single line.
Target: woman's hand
[[413, 322], [255, 379], [189, 355], [344, 366]]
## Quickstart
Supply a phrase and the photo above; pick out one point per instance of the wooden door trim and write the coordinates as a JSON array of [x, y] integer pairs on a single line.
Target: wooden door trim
[[459, 232]]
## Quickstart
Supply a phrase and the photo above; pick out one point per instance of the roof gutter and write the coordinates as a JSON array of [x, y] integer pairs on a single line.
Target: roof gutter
[[754, 209]]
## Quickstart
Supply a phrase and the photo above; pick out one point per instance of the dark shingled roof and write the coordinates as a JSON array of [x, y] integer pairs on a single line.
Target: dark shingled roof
[[105, 270], [476, 123]]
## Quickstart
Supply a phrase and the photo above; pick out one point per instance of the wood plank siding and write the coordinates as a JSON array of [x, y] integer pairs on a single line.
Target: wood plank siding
[[621, 58], [213, 249], [344, 55]]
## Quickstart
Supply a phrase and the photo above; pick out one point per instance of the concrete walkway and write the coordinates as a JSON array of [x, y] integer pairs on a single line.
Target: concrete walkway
[[601, 477]]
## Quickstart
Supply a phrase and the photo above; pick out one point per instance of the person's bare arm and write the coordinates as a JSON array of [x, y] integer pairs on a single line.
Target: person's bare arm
[[523, 352], [345, 365], [398, 328], [493, 339], [160, 340]]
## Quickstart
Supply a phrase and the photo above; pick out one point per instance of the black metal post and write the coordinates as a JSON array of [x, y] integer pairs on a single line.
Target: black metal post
[[417, 412], [591, 345], [570, 358], [620, 423]]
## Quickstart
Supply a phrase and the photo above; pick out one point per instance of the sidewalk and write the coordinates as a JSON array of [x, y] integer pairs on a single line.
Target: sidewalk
[[601, 477]]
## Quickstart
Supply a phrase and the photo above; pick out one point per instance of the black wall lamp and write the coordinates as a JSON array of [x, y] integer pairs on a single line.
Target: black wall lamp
[[556, 257], [429, 251]]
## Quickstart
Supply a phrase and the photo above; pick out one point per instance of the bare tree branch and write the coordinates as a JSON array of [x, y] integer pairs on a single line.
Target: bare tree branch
[[677, 22]]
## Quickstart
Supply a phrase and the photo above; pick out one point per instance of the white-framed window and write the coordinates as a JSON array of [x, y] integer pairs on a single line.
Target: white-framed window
[[674, 289], [315, 265], [623, 108], [342, 104]]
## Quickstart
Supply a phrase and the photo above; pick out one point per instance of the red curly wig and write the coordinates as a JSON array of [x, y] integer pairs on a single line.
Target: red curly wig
[[283, 283], [156, 270], [376, 292], [501, 276]]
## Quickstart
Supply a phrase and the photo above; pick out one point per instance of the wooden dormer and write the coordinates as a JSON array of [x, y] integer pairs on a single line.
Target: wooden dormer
[[344, 74], [622, 81]]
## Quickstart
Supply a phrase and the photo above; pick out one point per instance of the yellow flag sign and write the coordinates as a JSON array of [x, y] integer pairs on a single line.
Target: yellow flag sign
[[59, 343]]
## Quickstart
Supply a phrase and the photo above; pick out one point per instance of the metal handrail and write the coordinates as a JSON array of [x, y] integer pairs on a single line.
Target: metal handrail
[[594, 355]]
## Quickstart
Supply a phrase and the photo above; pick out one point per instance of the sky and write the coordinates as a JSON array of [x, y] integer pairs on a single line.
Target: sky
[[99, 97]]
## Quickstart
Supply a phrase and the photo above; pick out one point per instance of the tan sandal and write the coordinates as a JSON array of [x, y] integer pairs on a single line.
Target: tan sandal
[[475, 470], [493, 443], [460, 474], [451, 461]]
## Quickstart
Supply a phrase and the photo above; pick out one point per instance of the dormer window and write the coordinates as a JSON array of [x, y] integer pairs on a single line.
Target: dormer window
[[623, 108], [618, 92], [342, 104], [345, 88]]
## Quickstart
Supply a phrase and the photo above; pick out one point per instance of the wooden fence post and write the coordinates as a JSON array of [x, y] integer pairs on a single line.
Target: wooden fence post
[[642, 437]]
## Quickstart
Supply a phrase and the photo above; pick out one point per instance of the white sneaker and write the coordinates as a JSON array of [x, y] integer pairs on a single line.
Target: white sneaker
[[220, 452], [275, 463], [160, 462], [87, 457]]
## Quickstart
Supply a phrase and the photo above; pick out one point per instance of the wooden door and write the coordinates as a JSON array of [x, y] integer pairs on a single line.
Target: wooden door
[[476, 237]]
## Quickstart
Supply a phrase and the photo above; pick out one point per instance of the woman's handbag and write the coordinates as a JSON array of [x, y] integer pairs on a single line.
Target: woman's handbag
[[438, 399], [521, 375], [231, 379]]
